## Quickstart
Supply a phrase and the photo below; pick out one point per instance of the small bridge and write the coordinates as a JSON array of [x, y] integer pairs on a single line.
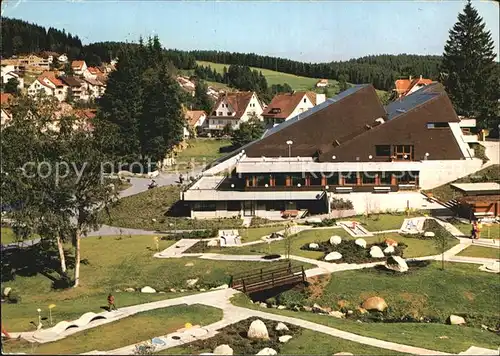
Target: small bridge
[[259, 280]]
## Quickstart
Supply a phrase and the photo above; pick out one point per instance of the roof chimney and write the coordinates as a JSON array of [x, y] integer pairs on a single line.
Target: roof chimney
[[420, 76], [410, 78]]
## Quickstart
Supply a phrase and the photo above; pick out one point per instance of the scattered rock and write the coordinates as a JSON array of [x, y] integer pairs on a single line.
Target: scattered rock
[[429, 234], [456, 320], [296, 308], [280, 327], [258, 330], [172, 290], [396, 263], [262, 305], [444, 337], [213, 243], [391, 242], [359, 321], [274, 306], [360, 242], [182, 290], [6, 291], [337, 314], [342, 303], [389, 249], [148, 289], [162, 292], [129, 289], [343, 353], [189, 264], [484, 327], [281, 307], [153, 220], [333, 256], [335, 240], [203, 290], [267, 351], [376, 252], [375, 303], [314, 221], [313, 246], [350, 312], [362, 310], [319, 309], [307, 308], [223, 350], [191, 282], [284, 338]]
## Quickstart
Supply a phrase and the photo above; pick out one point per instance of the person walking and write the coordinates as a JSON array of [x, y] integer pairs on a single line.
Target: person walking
[[111, 302]]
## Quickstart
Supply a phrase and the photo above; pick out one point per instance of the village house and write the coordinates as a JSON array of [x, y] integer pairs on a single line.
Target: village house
[[284, 106], [9, 71], [34, 62], [92, 73], [5, 100], [349, 147], [79, 67], [234, 108], [322, 83], [95, 88], [49, 84], [50, 56], [77, 87], [405, 87], [63, 58], [196, 120]]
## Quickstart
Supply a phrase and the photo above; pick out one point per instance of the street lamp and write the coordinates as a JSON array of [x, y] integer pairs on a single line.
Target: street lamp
[[289, 143]]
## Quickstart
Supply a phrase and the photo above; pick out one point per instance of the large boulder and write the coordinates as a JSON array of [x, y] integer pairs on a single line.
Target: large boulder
[[148, 289], [429, 234], [332, 256], [313, 246], [223, 350], [267, 351], [391, 242], [337, 314], [456, 320], [6, 291], [258, 330], [343, 354], [376, 252], [396, 263], [360, 242], [280, 327], [191, 282], [335, 240], [319, 309], [284, 338], [375, 303], [129, 289], [389, 249]]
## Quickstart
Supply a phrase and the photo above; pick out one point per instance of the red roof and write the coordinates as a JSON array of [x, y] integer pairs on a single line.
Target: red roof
[[77, 64], [51, 76], [284, 104], [5, 98], [238, 101], [94, 70], [85, 113], [404, 86], [192, 116]]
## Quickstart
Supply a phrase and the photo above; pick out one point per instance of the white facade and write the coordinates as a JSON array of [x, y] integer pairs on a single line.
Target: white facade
[[227, 114], [63, 58], [37, 87], [13, 75], [80, 70], [5, 117], [49, 88]]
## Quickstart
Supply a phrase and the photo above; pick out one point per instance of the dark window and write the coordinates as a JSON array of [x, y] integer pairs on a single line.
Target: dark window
[[350, 178], [332, 178], [263, 180], [229, 113], [407, 177], [233, 205], [298, 179], [403, 152], [274, 205], [204, 206], [385, 178], [437, 125], [315, 179], [369, 177], [280, 180], [383, 150]]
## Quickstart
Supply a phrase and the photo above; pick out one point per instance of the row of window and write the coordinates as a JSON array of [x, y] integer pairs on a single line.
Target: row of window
[[398, 152]]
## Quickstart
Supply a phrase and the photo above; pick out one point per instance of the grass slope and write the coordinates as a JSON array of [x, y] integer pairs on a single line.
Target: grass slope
[[152, 210], [130, 330], [110, 263], [481, 251]]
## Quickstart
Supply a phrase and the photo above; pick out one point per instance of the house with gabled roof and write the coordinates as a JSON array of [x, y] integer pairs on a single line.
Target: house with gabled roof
[[48, 83], [284, 106], [77, 86], [234, 108], [349, 147], [5, 101], [79, 67], [405, 87]]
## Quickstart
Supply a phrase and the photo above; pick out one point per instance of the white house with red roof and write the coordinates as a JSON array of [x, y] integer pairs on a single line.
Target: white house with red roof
[[233, 109], [49, 84], [404, 87], [79, 67]]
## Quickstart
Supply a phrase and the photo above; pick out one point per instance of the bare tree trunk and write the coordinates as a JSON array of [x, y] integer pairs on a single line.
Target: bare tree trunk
[[61, 254], [77, 258]]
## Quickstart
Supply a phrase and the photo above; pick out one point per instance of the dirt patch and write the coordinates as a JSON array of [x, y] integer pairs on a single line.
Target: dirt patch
[[317, 285], [414, 304], [469, 295]]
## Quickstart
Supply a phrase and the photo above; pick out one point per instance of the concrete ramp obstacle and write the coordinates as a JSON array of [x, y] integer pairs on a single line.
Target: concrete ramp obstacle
[[61, 327]]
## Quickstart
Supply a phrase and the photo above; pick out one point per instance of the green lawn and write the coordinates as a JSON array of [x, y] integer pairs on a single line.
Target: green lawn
[[273, 77], [7, 235], [490, 231], [459, 289], [110, 264], [139, 327], [481, 251], [446, 192], [381, 222], [202, 148], [152, 209]]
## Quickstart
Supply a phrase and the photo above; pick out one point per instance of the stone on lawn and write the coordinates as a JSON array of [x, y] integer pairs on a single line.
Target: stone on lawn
[[494, 266], [343, 354], [281, 307], [332, 256], [189, 264], [389, 249], [360, 242], [191, 282], [6, 291], [376, 252], [263, 305], [429, 234], [391, 242], [307, 308], [267, 351], [213, 243], [129, 289], [182, 290], [319, 309], [172, 290], [280, 327], [336, 314], [258, 330], [223, 350], [313, 246], [456, 320], [335, 240], [284, 338], [374, 303], [148, 289], [203, 290], [118, 290], [396, 263]]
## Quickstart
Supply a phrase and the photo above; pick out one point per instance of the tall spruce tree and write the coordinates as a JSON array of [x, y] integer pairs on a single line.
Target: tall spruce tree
[[469, 71], [201, 99]]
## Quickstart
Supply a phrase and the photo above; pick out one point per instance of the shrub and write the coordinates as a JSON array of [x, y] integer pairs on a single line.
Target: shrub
[[196, 234], [292, 298], [323, 223], [341, 204], [14, 297]]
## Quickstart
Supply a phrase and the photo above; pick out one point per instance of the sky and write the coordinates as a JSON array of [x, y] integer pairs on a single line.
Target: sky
[[313, 31]]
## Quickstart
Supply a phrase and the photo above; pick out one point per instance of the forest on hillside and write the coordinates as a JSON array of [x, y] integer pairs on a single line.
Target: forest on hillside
[[19, 37]]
